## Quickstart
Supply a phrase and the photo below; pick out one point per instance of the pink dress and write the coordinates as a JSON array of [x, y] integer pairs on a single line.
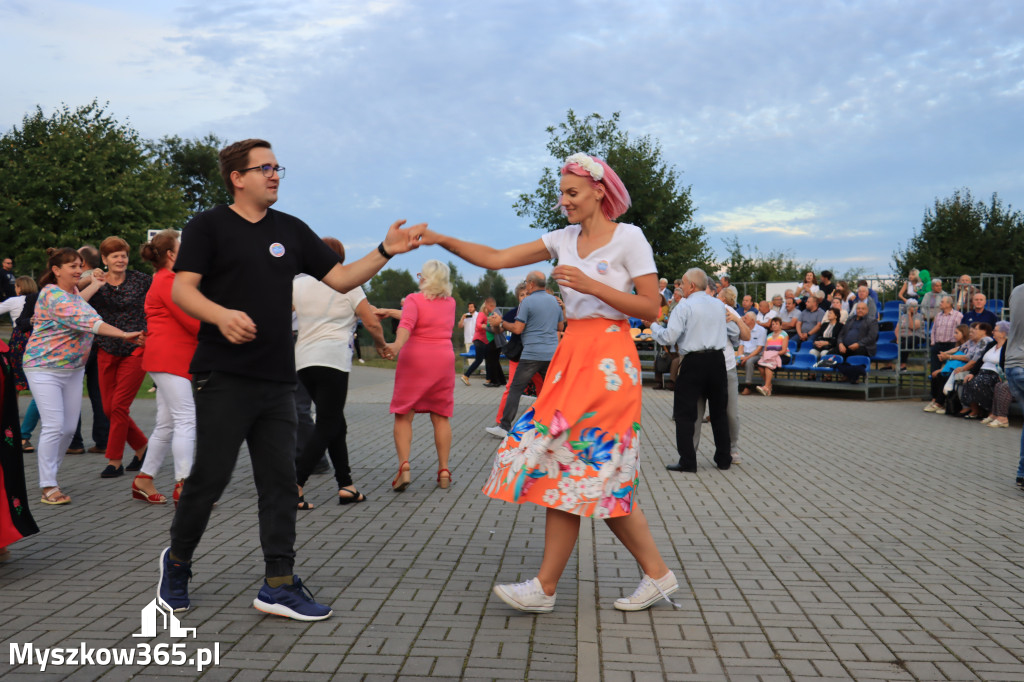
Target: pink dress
[[425, 379]]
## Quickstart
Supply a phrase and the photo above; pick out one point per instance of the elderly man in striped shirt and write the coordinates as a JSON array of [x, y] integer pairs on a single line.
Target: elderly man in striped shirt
[[944, 330]]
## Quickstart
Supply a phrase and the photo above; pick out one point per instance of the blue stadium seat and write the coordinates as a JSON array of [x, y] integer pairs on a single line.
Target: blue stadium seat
[[792, 345], [802, 362], [887, 337], [995, 305], [892, 305], [886, 352]]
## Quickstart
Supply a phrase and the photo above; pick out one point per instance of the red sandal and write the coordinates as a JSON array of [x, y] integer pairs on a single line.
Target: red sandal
[[402, 479], [139, 494], [446, 480], [177, 492]]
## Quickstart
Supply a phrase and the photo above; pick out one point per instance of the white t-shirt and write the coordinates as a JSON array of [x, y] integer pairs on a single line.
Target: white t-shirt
[[468, 327], [624, 258], [758, 336], [327, 320], [14, 305]]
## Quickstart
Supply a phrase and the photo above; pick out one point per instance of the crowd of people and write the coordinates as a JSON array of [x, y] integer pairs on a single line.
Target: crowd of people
[[226, 358]]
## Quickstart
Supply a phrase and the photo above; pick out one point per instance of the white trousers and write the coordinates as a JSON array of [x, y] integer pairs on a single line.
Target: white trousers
[[175, 429], [58, 395]]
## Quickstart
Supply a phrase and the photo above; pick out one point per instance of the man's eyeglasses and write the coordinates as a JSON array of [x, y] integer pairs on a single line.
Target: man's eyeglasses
[[268, 170]]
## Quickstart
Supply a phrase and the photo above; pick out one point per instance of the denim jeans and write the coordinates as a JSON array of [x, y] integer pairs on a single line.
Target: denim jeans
[[1015, 381]]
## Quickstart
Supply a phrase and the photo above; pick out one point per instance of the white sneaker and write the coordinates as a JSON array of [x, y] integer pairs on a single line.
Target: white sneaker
[[361, 361], [496, 431], [649, 592], [931, 407], [528, 596], [736, 459]]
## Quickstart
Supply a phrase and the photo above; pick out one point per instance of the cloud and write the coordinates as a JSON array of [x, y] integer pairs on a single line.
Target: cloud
[[773, 216]]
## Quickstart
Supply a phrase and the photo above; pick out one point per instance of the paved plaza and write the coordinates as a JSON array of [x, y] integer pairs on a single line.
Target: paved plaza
[[865, 541]]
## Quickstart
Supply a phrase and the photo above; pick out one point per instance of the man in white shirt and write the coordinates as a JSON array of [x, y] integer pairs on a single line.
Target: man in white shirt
[[765, 314], [750, 351], [467, 323]]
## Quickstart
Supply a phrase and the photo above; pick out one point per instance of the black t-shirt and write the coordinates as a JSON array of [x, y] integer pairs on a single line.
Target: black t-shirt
[[249, 267]]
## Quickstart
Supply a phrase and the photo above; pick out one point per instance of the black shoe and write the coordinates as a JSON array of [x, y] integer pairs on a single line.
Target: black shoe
[[725, 467], [135, 464], [112, 472], [491, 384], [1020, 481], [679, 467]]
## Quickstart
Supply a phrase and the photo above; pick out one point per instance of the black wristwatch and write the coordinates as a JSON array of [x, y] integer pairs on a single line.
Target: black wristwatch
[[381, 251]]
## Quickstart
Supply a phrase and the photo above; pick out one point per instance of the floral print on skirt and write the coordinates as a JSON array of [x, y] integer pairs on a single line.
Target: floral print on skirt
[[577, 449]]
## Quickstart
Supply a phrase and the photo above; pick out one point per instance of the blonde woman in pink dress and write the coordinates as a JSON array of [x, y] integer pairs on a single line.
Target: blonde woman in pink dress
[[425, 378]]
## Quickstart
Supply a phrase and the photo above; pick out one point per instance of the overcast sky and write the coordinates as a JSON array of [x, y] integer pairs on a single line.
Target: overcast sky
[[823, 129]]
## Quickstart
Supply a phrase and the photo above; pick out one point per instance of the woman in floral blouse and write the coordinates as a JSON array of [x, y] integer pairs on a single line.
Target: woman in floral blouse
[[120, 301], [576, 451], [55, 357]]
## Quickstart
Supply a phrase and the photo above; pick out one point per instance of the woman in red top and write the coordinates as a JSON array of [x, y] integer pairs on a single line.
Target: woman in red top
[[170, 343]]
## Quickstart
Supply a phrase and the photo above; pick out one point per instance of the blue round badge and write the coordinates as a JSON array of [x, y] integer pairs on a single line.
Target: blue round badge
[[602, 267], [276, 250]]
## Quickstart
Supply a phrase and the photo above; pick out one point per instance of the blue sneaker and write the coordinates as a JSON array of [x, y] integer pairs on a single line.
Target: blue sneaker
[[291, 601], [172, 590]]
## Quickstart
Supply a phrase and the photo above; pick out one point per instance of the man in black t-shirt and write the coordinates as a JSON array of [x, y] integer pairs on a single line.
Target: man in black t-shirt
[[244, 366]]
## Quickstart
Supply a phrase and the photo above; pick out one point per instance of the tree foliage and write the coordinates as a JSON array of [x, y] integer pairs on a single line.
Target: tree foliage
[[77, 177], [960, 235], [662, 206], [194, 170], [748, 264]]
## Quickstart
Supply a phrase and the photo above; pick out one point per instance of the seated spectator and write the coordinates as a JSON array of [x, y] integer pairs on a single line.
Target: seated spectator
[[860, 333], [943, 327], [963, 293], [777, 304], [978, 311], [808, 322], [952, 359], [979, 386], [746, 306], [1001, 399], [807, 287], [843, 294], [776, 345], [789, 315], [826, 285], [750, 351], [864, 296], [910, 330], [765, 314], [871, 292], [827, 340], [840, 308], [930, 301], [911, 288], [971, 353]]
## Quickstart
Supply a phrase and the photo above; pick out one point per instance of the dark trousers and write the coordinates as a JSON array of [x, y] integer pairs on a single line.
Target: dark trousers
[[100, 423], [231, 409], [702, 375], [520, 380], [492, 364], [329, 390], [479, 351], [937, 348]]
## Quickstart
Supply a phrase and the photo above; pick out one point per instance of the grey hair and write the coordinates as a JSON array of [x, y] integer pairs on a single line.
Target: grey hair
[[1003, 326], [520, 288], [537, 278], [947, 297], [697, 278]]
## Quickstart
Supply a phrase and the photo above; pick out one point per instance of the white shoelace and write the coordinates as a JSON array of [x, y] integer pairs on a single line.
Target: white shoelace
[[656, 586]]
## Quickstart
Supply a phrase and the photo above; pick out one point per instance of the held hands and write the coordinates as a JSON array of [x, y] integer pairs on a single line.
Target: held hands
[[383, 313], [390, 351], [428, 237], [573, 278], [384, 352], [403, 240], [236, 326], [138, 338]]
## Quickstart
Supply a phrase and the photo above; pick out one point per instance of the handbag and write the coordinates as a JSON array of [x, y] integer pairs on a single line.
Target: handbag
[[514, 347], [662, 362]]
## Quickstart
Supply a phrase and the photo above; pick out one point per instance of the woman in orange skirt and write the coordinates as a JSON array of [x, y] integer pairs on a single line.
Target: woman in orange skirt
[[576, 451]]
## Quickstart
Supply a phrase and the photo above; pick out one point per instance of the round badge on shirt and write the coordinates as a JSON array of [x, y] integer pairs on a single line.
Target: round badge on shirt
[[602, 267], [276, 250]]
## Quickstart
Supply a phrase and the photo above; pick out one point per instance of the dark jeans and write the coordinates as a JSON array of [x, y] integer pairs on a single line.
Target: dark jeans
[[479, 351], [520, 380], [702, 375], [100, 423], [935, 350], [231, 409], [492, 363], [329, 389]]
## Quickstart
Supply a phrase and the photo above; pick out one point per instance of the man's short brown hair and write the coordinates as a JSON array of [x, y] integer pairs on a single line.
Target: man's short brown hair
[[235, 157]]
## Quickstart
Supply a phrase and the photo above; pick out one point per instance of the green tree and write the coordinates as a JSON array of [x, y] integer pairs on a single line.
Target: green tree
[[493, 284], [744, 263], [388, 287], [76, 177], [194, 169], [960, 235], [662, 206]]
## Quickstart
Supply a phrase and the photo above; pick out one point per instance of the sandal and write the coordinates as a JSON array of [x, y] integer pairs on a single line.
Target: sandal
[[26, 445], [444, 482], [303, 505], [177, 492], [354, 496], [140, 494], [402, 479], [55, 496]]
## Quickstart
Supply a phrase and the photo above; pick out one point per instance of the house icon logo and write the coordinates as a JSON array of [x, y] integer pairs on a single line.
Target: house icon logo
[[152, 615]]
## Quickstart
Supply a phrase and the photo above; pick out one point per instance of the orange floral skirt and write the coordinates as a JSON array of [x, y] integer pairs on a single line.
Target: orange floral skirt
[[577, 448]]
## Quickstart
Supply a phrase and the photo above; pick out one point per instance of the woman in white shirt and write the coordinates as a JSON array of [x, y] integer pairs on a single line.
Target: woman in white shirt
[[323, 360], [576, 451], [980, 387], [15, 304]]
